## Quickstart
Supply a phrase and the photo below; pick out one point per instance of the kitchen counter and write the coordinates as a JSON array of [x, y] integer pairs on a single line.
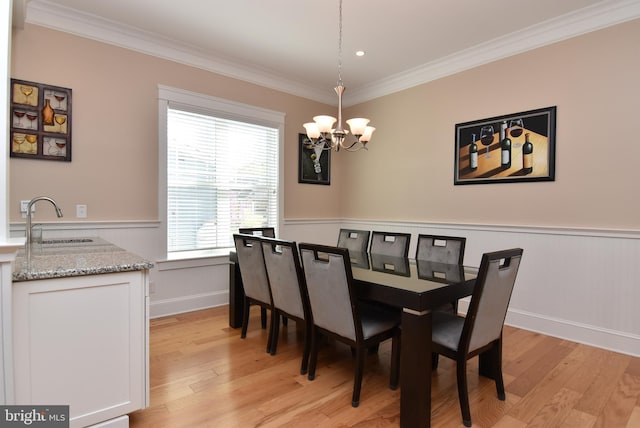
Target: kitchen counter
[[59, 258], [80, 328]]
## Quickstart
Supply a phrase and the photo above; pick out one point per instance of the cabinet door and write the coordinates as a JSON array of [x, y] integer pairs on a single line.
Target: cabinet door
[[82, 341]]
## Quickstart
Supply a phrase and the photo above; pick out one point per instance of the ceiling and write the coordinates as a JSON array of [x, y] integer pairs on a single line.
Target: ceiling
[[292, 45]]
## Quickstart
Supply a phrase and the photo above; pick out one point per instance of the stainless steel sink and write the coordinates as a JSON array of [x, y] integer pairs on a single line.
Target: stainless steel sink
[[66, 241]]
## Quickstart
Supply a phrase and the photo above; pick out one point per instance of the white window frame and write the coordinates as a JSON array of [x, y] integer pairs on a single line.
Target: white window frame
[[179, 98]]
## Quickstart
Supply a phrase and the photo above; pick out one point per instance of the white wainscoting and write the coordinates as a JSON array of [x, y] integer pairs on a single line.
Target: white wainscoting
[[578, 284]]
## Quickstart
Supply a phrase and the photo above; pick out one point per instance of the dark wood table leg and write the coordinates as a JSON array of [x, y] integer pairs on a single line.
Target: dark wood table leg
[[236, 296], [415, 370]]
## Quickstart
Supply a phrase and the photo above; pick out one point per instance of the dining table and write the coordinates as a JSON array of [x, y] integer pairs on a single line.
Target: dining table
[[416, 288]]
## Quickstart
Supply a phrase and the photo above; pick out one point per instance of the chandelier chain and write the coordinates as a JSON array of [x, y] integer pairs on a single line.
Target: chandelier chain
[[340, 44], [327, 133]]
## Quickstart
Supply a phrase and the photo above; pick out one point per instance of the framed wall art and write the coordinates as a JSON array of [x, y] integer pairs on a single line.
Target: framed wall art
[[314, 164], [40, 121], [505, 149]]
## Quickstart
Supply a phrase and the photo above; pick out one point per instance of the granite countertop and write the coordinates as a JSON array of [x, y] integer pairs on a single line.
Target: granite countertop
[[58, 258]]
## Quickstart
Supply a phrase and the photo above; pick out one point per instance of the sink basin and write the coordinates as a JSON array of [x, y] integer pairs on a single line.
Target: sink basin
[[67, 241]]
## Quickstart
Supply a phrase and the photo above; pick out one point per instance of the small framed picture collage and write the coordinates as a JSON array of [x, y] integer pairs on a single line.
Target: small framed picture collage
[[40, 121]]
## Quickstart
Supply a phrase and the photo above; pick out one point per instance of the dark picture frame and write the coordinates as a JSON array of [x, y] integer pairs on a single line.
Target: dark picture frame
[[531, 154], [40, 121], [310, 171]]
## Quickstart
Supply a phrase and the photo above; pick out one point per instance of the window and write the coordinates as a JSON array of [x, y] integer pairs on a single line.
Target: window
[[222, 169]]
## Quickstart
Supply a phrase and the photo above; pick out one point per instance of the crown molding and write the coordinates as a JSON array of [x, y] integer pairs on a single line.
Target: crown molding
[[595, 17], [46, 14]]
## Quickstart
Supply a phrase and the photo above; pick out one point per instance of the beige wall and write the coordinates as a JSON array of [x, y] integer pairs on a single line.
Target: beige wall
[[592, 79], [115, 128], [408, 172]]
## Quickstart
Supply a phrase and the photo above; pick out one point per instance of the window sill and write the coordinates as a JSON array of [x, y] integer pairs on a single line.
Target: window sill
[[196, 258]]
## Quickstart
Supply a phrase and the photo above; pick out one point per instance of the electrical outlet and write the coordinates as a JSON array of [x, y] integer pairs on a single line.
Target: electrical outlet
[[23, 208], [81, 211]]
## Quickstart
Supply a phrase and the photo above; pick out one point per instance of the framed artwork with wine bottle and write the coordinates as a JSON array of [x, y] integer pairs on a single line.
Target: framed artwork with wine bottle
[[505, 149], [314, 163], [40, 121]]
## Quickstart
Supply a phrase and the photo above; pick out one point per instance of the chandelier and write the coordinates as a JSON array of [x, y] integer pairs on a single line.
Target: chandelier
[[321, 132]]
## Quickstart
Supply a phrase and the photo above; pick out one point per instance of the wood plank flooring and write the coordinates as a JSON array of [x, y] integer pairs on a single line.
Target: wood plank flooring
[[203, 375]]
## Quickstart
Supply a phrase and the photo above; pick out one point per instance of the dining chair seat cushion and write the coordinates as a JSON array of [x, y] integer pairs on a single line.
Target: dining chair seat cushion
[[447, 329], [376, 320]]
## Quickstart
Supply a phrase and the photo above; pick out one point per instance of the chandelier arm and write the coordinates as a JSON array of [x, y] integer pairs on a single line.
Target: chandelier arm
[[310, 144], [355, 146]]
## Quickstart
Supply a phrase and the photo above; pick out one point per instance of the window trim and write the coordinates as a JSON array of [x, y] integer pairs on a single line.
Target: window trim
[[195, 102]]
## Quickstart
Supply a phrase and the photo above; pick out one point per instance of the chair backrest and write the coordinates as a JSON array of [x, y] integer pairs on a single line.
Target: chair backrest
[[440, 249], [390, 244], [490, 299], [252, 269], [288, 288], [354, 240], [269, 232], [329, 281]]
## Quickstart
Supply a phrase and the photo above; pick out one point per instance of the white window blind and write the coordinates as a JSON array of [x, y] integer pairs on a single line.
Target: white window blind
[[221, 175]]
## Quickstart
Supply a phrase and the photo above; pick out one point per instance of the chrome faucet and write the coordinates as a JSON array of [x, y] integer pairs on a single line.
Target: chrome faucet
[[31, 202]]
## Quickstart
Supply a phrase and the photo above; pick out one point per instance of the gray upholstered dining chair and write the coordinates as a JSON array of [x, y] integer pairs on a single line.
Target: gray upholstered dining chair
[[338, 314], [480, 332], [441, 249], [390, 244], [288, 290], [269, 232], [254, 280], [354, 240]]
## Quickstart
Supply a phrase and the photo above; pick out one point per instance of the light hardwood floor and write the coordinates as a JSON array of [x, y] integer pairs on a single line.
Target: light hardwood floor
[[203, 375]]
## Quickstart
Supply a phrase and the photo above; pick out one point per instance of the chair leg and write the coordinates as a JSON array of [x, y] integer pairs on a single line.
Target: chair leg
[[270, 333], [497, 370], [275, 332], [435, 357], [395, 362], [463, 393], [263, 317], [245, 318], [307, 347], [314, 354], [357, 380]]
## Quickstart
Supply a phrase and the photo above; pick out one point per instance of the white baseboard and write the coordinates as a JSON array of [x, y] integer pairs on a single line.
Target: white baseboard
[[581, 333], [163, 308], [120, 422]]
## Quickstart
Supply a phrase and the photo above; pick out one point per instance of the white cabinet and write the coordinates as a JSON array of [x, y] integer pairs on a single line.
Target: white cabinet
[[82, 341]]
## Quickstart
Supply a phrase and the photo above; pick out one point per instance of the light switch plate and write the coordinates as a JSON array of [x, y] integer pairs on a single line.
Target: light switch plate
[[81, 211]]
